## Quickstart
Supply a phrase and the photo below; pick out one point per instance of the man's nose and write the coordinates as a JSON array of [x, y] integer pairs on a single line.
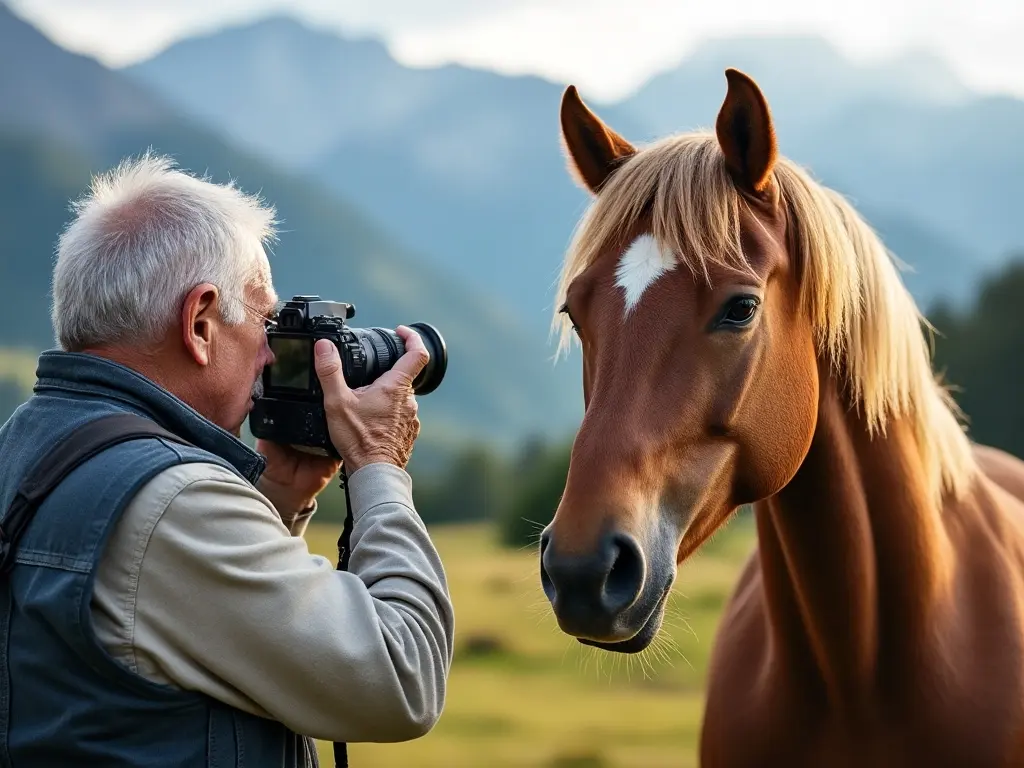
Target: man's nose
[[589, 592]]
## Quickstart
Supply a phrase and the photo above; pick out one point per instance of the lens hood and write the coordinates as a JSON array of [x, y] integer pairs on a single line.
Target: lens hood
[[433, 372]]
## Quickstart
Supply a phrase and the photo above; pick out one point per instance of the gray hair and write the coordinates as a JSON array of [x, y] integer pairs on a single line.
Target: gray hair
[[143, 236]]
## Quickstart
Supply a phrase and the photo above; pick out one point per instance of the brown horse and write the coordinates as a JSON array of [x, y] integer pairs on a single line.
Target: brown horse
[[746, 339]]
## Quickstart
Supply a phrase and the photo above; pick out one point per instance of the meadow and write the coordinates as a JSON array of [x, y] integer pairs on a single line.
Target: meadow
[[522, 694]]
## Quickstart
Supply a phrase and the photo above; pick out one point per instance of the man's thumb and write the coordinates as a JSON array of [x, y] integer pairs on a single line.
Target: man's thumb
[[328, 367]]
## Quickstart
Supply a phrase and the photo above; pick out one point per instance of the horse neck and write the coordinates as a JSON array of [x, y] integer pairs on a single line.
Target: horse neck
[[853, 554]]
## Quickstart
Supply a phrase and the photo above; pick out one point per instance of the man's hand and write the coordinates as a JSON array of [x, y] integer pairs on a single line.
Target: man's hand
[[377, 423], [293, 479]]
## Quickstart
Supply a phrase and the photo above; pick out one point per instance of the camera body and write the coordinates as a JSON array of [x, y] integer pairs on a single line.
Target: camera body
[[291, 408]]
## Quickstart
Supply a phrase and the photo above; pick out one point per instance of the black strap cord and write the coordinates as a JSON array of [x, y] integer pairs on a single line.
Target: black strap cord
[[345, 540], [344, 552]]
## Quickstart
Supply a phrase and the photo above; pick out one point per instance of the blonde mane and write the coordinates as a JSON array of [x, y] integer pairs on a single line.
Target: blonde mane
[[866, 322]]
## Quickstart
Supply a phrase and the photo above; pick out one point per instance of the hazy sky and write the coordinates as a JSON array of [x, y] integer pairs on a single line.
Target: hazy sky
[[594, 43]]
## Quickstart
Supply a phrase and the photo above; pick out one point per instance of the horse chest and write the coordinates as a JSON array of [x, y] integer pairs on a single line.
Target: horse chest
[[759, 712], [817, 742]]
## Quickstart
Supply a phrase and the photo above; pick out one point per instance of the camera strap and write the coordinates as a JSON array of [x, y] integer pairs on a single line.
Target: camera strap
[[344, 551], [345, 540]]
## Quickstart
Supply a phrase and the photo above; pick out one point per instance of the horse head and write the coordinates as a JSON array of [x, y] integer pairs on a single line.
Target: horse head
[[700, 369]]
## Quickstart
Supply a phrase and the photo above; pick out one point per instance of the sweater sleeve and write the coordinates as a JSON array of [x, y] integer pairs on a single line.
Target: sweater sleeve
[[227, 601]]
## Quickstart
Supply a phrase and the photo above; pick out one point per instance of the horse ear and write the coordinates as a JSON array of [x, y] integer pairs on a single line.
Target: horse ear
[[746, 134], [594, 149]]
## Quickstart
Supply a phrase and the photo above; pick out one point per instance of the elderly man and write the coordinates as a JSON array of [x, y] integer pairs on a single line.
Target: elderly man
[[163, 608]]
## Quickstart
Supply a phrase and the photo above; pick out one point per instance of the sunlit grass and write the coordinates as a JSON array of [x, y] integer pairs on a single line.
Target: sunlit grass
[[20, 366], [523, 694]]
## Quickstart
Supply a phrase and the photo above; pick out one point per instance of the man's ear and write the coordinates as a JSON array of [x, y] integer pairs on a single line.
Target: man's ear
[[198, 313], [594, 149]]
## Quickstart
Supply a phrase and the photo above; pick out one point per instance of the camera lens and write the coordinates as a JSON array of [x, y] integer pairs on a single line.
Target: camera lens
[[382, 347]]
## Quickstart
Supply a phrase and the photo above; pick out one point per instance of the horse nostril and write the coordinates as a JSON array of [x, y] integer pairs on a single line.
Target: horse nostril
[[626, 578], [604, 583], [545, 580], [591, 592]]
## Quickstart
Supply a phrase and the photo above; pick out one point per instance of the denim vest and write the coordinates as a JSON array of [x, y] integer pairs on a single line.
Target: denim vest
[[64, 701]]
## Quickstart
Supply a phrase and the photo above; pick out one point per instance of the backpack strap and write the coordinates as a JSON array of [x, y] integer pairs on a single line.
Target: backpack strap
[[76, 448]]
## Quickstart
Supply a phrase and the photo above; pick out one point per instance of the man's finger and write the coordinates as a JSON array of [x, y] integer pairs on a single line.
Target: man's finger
[[416, 356], [329, 371]]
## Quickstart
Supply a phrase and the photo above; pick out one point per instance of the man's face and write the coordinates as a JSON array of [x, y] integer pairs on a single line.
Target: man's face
[[239, 356]]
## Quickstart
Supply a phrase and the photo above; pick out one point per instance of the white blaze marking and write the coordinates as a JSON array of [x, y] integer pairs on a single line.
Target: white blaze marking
[[641, 264]]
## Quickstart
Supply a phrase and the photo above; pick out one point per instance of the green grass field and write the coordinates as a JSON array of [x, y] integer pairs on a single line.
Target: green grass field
[[523, 694], [19, 365]]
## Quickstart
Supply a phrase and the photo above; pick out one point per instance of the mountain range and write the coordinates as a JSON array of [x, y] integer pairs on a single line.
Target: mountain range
[[58, 126], [466, 164], [441, 193]]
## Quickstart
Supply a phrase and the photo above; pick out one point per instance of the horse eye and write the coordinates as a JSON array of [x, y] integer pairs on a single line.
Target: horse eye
[[740, 311], [564, 309]]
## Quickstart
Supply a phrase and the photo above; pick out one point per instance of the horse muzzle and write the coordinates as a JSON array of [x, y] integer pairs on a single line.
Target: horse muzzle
[[612, 597]]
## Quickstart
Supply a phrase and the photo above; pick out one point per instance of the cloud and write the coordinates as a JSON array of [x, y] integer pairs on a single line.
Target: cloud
[[119, 32], [605, 46], [608, 47], [394, 16]]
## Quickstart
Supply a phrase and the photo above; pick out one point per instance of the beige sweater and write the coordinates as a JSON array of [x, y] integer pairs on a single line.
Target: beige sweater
[[206, 588]]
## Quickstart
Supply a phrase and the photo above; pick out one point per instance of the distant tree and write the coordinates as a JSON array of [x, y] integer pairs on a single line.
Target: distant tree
[[11, 396], [980, 353], [538, 483], [474, 487]]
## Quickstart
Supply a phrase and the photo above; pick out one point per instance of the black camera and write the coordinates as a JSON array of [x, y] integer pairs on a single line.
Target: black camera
[[291, 408]]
